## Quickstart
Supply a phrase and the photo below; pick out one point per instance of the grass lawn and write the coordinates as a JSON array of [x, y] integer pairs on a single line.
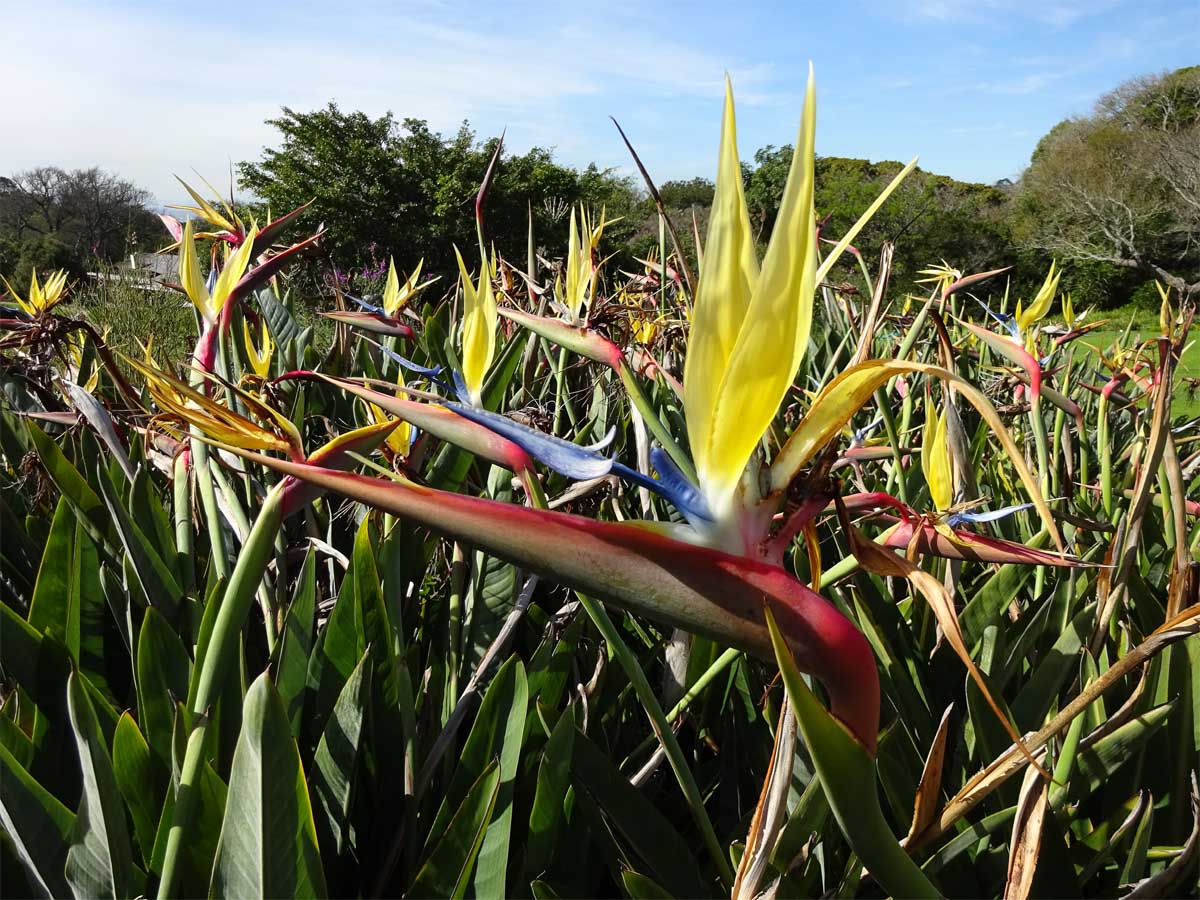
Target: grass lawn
[[1186, 401]]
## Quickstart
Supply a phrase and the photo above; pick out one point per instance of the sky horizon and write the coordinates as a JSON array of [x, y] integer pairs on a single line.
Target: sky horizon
[[148, 91]]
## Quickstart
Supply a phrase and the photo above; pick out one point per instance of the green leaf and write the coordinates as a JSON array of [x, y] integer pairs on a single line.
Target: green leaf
[[268, 844], [151, 517], [39, 826], [336, 759], [196, 863], [157, 581], [1135, 863], [648, 833], [490, 875], [447, 870], [99, 861], [1042, 686], [1094, 765], [12, 738], [487, 739], [296, 646], [85, 501], [554, 777], [141, 780], [997, 593], [163, 670], [847, 772], [282, 325], [968, 838], [642, 888], [53, 609]]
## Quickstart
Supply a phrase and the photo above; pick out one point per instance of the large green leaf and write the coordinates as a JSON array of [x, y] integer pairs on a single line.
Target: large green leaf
[[648, 833], [196, 863], [507, 696], [268, 844], [491, 872], [159, 584], [40, 827], [1097, 763], [554, 777], [338, 752], [73, 486], [142, 781], [997, 593], [447, 870], [847, 772], [296, 642], [54, 609], [100, 858], [1041, 687], [148, 513], [163, 671]]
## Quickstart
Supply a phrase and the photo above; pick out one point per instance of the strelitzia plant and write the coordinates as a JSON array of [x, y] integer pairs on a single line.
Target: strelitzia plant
[[258, 351], [723, 571], [225, 224], [385, 319], [577, 290], [478, 327], [41, 298], [182, 406]]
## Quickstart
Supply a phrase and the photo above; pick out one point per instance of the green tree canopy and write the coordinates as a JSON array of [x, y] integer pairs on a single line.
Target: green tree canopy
[[1121, 186], [408, 190]]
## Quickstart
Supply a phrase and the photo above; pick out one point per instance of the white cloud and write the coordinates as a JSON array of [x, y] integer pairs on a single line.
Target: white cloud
[[152, 91]]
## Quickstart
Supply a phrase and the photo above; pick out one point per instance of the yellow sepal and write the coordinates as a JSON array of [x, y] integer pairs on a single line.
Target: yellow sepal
[[935, 461], [478, 327]]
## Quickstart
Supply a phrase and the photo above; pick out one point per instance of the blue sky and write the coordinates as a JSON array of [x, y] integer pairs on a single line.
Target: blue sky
[[151, 89]]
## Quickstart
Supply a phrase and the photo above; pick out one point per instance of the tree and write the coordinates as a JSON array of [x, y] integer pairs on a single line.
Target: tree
[[1122, 185], [52, 217], [409, 191]]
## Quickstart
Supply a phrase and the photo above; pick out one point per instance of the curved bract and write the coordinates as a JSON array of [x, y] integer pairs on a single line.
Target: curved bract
[[704, 591]]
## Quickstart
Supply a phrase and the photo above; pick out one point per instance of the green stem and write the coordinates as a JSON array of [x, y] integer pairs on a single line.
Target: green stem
[[562, 399], [243, 526], [217, 553], [1106, 497], [653, 422], [1043, 460], [458, 578], [719, 665], [220, 655], [641, 685], [889, 426], [687, 781], [184, 549]]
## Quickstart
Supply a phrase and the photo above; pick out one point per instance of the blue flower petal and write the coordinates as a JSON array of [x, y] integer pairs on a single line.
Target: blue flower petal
[[673, 486], [956, 519], [406, 363], [365, 305], [460, 388], [865, 432], [572, 460], [1009, 322]]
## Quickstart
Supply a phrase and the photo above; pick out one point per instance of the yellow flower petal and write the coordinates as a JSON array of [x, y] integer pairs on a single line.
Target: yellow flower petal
[[232, 272], [260, 359], [1040, 305], [478, 328], [935, 461], [189, 274], [775, 334], [728, 276], [391, 289]]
